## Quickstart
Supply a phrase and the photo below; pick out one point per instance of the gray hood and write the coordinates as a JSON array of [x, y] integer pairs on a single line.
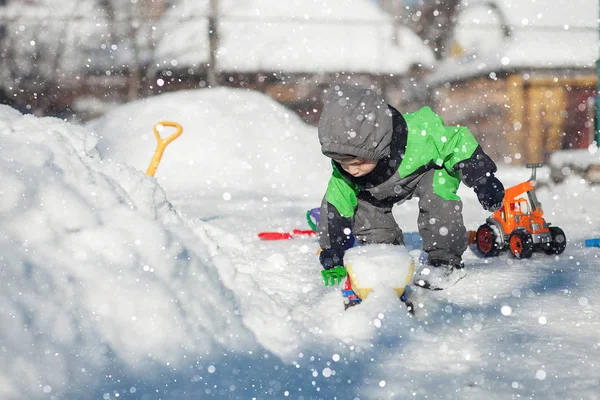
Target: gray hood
[[355, 122]]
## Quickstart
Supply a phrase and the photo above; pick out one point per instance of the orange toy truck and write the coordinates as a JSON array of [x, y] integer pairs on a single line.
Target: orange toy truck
[[520, 225]]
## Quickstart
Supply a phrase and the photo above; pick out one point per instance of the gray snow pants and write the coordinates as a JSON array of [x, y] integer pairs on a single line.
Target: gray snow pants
[[440, 223]]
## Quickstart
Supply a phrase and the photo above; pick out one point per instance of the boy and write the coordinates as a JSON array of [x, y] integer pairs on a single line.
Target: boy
[[381, 157]]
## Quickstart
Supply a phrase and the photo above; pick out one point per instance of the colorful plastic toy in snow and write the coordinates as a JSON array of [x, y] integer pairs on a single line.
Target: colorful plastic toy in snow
[[376, 268], [592, 242], [285, 235], [162, 144], [397, 266], [520, 225], [312, 217]]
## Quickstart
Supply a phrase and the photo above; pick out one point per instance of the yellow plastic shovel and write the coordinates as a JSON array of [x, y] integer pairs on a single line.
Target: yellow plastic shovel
[[162, 144]]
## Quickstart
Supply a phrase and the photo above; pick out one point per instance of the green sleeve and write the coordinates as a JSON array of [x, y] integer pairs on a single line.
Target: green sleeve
[[429, 140], [341, 194], [459, 146], [454, 143]]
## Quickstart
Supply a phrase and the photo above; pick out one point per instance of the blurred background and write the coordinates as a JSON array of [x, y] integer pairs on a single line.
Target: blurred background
[[521, 74]]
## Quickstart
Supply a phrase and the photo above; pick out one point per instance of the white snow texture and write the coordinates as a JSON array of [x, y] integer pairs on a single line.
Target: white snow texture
[[118, 285]]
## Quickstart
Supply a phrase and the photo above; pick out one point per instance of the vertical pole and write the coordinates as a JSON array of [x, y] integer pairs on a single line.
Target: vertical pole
[[213, 37], [598, 82]]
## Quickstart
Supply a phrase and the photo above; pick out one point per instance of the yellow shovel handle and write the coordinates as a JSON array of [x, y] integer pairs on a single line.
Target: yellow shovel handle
[[162, 144]]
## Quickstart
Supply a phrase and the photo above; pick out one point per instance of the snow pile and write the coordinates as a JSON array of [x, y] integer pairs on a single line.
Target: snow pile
[[107, 290], [97, 268], [380, 265], [578, 158], [234, 143]]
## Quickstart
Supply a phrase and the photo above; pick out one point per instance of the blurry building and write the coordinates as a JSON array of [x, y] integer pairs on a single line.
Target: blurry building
[[522, 76], [77, 59], [291, 50]]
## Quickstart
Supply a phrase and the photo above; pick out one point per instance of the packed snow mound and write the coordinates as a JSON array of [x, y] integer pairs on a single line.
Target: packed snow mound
[[380, 265], [234, 141], [96, 274]]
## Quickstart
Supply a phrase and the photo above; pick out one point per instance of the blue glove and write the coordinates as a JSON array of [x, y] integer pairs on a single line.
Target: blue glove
[[490, 192]]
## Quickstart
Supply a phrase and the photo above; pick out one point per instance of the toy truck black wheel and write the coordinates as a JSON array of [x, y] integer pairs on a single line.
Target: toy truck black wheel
[[558, 243], [487, 241], [520, 244]]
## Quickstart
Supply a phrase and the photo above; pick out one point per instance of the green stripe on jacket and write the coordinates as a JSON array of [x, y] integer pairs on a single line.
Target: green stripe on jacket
[[341, 193]]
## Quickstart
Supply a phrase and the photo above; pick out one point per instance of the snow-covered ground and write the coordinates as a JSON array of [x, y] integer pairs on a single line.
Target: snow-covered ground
[[117, 285]]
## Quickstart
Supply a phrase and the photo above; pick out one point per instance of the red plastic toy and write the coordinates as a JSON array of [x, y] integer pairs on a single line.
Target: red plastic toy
[[285, 235]]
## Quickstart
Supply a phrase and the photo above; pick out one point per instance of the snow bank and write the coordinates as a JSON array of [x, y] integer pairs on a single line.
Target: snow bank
[[579, 158], [97, 268], [235, 142]]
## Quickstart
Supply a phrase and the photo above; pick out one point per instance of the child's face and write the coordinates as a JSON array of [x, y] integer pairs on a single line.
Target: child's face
[[358, 167]]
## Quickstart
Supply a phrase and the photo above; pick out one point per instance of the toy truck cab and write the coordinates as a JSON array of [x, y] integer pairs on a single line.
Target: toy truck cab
[[520, 225]]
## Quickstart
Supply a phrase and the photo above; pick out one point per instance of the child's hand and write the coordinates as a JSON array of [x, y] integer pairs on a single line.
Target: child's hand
[[330, 258], [333, 276], [490, 192]]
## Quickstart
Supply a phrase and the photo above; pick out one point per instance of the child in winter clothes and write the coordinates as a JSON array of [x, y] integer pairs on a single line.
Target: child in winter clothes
[[381, 157]]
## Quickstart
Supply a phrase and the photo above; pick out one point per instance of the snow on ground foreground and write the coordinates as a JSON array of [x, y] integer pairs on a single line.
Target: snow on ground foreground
[[107, 291], [101, 279], [114, 286]]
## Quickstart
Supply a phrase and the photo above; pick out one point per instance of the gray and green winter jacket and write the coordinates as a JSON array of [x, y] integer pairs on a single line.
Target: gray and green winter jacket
[[406, 146]]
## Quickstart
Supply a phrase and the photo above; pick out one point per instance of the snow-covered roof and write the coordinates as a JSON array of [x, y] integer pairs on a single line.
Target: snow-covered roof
[[292, 36], [542, 34]]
